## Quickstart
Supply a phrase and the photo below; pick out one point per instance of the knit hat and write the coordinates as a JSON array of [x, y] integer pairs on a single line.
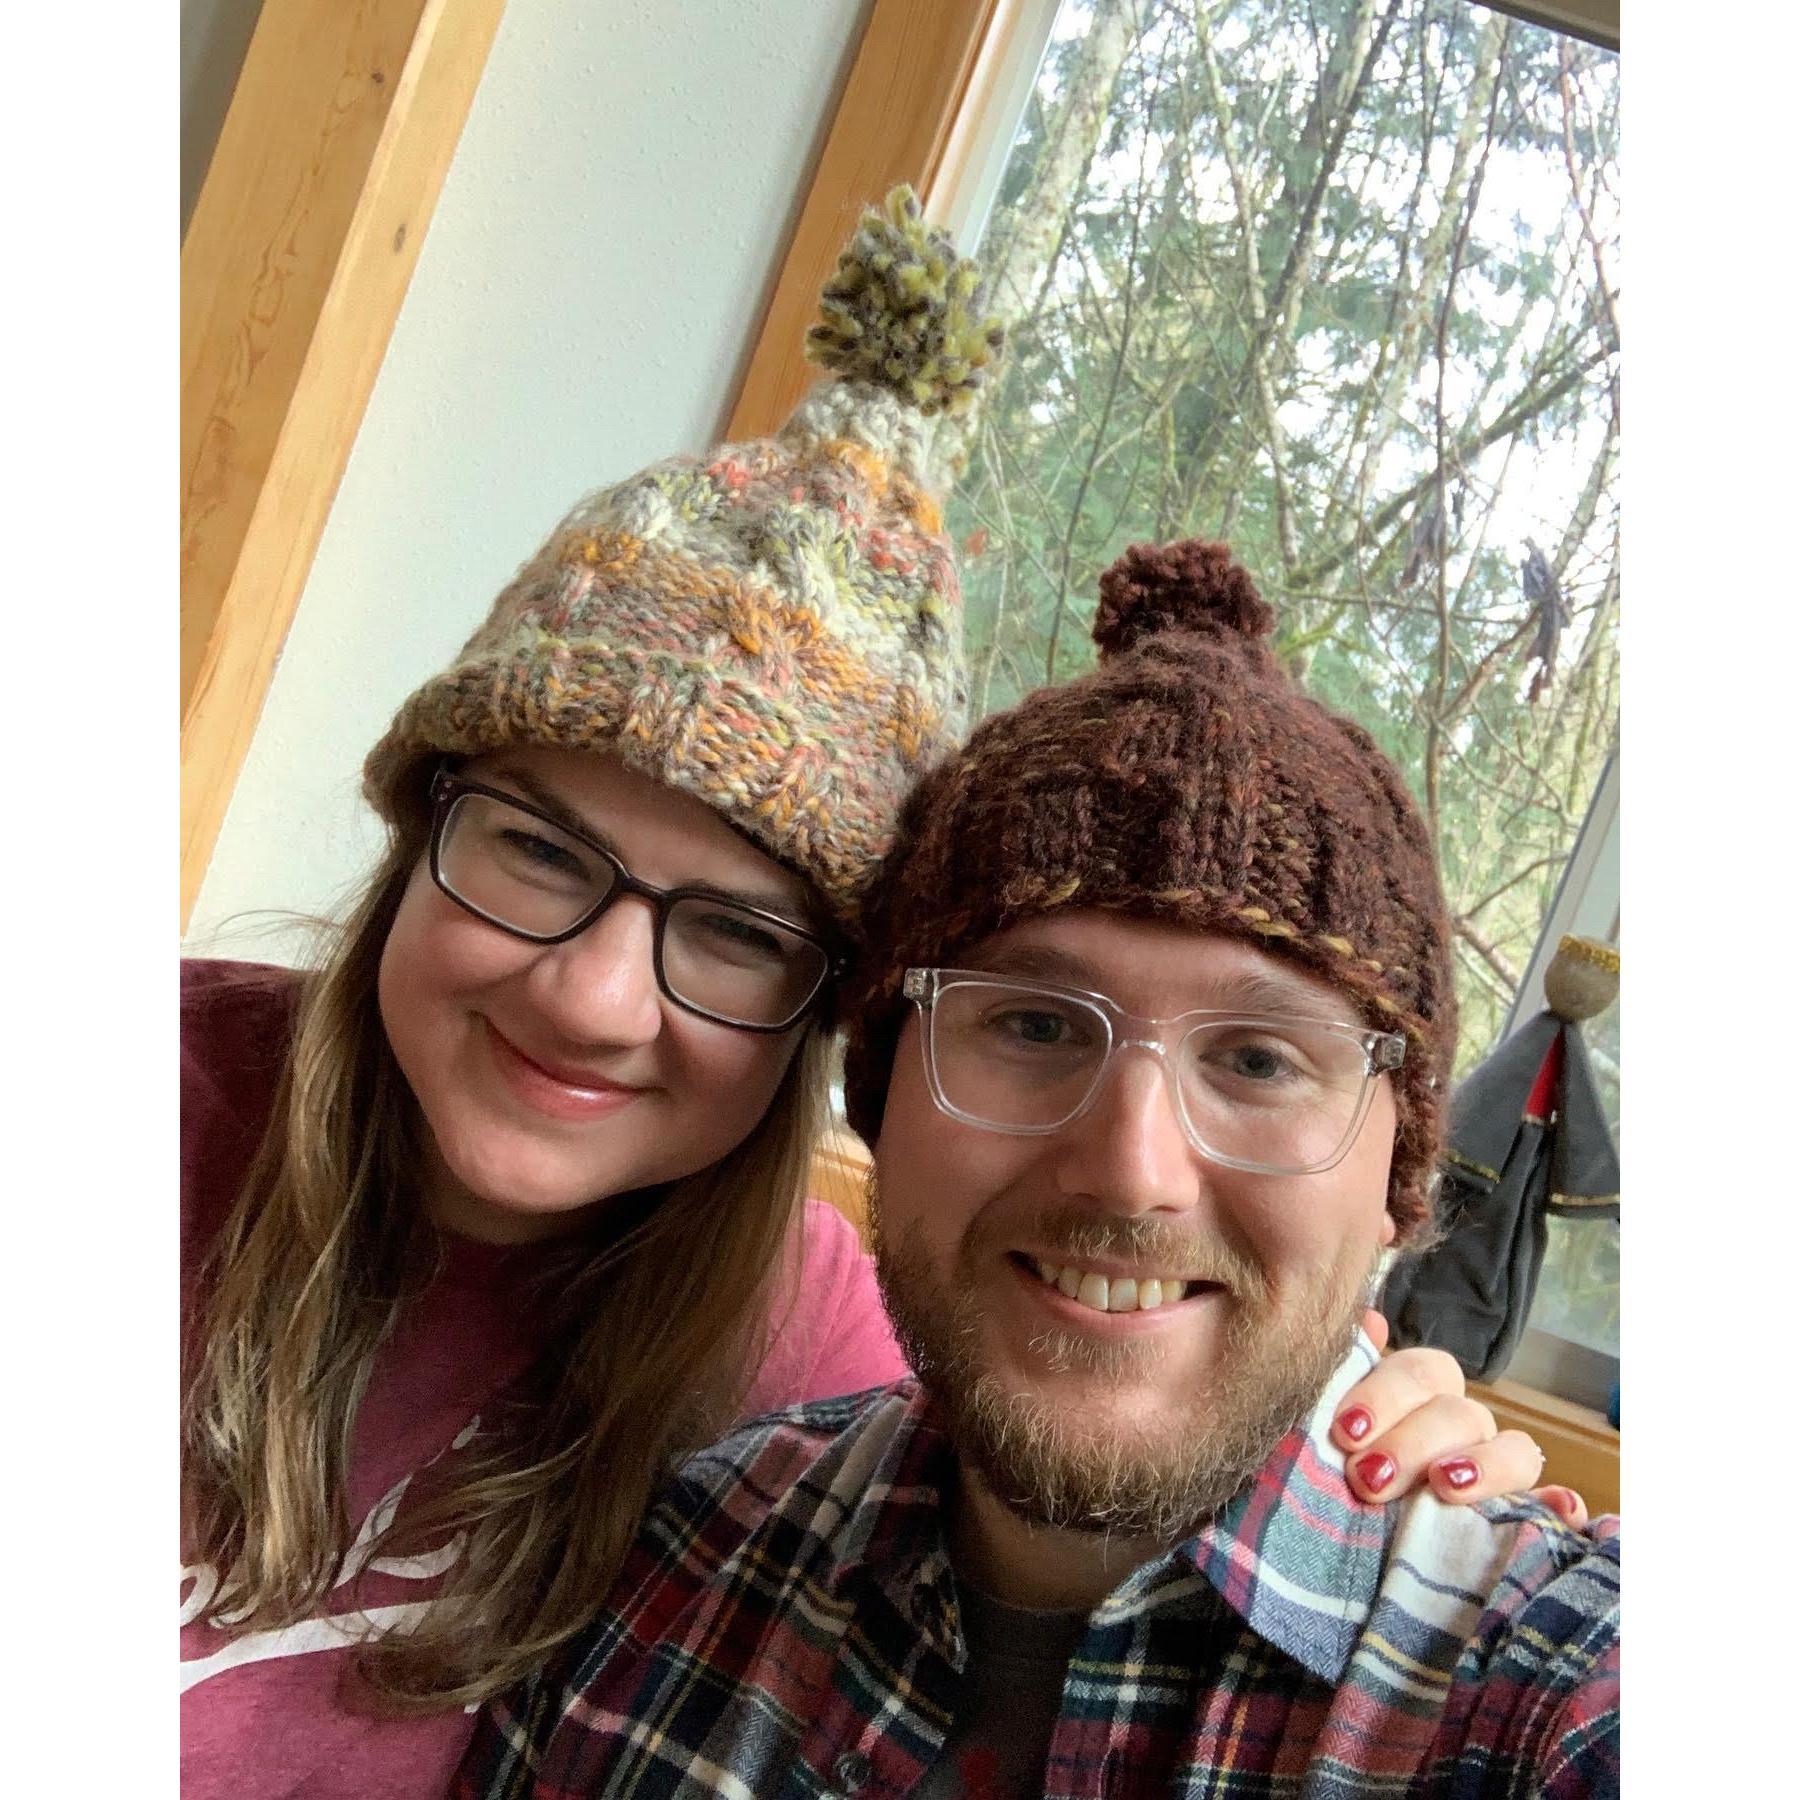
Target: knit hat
[[774, 627], [1186, 778]]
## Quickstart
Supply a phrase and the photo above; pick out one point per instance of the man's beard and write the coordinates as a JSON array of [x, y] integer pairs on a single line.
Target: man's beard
[[1053, 1463]]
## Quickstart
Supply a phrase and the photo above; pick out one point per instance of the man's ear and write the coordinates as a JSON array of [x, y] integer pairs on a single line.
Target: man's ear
[[1388, 1229]]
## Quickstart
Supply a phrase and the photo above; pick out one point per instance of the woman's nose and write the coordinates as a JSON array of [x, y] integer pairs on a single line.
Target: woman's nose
[[600, 987]]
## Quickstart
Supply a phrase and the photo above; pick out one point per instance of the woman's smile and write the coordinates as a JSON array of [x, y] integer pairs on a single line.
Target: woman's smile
[[553, 1088]]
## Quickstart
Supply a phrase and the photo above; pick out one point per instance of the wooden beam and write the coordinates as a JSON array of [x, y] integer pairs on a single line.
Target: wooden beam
[[1597, 21], [304, 238], [923, 69]]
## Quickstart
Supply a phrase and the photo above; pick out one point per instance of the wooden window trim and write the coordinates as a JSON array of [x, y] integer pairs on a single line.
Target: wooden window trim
[[298, 255], [923, 73], [1594, 21], [1581, 1450]]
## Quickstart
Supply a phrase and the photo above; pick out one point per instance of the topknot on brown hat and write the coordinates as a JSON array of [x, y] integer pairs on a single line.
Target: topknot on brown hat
[[1193, 586]]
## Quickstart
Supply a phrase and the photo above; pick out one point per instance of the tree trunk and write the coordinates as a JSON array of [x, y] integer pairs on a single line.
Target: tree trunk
[[1019, 263]]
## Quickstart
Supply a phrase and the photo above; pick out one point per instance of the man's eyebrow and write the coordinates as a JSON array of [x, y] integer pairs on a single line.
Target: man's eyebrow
[[1255, 991], [550, 803], [1264, 991], [1037, 962]]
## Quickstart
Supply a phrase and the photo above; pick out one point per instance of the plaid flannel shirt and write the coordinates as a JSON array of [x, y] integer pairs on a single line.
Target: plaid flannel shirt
[[786, 1625]]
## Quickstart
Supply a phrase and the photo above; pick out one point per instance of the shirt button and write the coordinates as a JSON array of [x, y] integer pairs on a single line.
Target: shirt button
[[850, 1771]]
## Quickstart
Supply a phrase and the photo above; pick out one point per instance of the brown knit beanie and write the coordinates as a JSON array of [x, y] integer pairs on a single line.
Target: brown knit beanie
[[1186, 778]]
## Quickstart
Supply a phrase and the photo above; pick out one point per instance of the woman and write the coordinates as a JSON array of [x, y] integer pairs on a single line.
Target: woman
[[499, 1211]]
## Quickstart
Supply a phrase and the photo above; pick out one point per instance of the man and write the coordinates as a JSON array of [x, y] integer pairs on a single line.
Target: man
[[1151, 1041]]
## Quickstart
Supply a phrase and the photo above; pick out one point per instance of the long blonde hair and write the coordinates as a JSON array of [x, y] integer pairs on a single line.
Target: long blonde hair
[[657, 1318]]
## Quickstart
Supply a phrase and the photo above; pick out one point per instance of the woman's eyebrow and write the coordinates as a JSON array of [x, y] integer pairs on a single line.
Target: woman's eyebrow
[[558, 809], [546, 801], [783, 906]]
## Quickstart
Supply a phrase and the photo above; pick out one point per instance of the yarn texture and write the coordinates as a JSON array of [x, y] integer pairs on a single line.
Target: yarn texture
[[903, 311], [1186, 778], [774, 627], [1189, 586]]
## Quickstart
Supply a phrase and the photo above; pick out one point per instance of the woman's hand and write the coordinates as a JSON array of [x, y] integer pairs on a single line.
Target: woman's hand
[[1408, 1420]]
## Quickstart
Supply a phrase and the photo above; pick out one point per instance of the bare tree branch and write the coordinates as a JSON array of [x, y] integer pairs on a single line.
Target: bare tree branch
[[1465, 930]]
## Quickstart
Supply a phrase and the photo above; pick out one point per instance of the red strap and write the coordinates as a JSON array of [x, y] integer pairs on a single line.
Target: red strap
[[1542, 1102]]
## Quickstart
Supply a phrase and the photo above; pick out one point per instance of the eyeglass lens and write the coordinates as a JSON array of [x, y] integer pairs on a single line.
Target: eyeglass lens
[[1282, 1095], [525, 874]]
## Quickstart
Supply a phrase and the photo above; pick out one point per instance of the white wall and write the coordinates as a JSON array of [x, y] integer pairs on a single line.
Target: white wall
[[607, 237]]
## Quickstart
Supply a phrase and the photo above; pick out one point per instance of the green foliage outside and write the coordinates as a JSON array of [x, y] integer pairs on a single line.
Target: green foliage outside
[[1337, 283]]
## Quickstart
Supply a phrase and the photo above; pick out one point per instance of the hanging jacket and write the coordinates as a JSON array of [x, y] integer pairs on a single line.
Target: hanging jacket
[[1528, 1138]]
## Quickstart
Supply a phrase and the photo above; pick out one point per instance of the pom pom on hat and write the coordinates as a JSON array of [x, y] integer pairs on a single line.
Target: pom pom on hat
[[905, 312], [1193, 586]]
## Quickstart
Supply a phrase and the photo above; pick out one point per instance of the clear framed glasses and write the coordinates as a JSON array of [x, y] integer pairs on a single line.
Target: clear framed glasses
[[514, 866], [1276, 1096]]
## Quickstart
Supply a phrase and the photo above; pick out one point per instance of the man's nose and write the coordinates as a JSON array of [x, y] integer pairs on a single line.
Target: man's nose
[[1128, 1152], [600, 987]]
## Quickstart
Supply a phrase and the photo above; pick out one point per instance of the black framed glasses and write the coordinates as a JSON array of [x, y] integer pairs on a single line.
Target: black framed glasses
[[530, 875], [1274, 1096]]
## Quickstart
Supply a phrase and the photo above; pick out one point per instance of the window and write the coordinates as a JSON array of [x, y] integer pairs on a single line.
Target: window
[[1338, 283], [1571, 1344]]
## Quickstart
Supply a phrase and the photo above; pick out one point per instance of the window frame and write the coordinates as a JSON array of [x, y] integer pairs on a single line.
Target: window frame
[[924, 78], [1587, 896], [1587, 904]]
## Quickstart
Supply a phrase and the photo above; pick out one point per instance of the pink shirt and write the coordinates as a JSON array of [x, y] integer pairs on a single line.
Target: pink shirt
[[262, 1713]]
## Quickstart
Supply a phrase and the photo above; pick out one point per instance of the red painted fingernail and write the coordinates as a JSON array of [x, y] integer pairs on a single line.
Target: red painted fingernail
[[1357, 1422], [1375, 1471], [1459, 1471], [1559, 1499]]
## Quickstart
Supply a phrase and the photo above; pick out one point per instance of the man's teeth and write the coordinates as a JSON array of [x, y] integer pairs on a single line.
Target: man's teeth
[[1123, 1293]]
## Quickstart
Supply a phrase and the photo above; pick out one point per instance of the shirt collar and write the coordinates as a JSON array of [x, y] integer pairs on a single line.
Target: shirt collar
[[1297, 1556]]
